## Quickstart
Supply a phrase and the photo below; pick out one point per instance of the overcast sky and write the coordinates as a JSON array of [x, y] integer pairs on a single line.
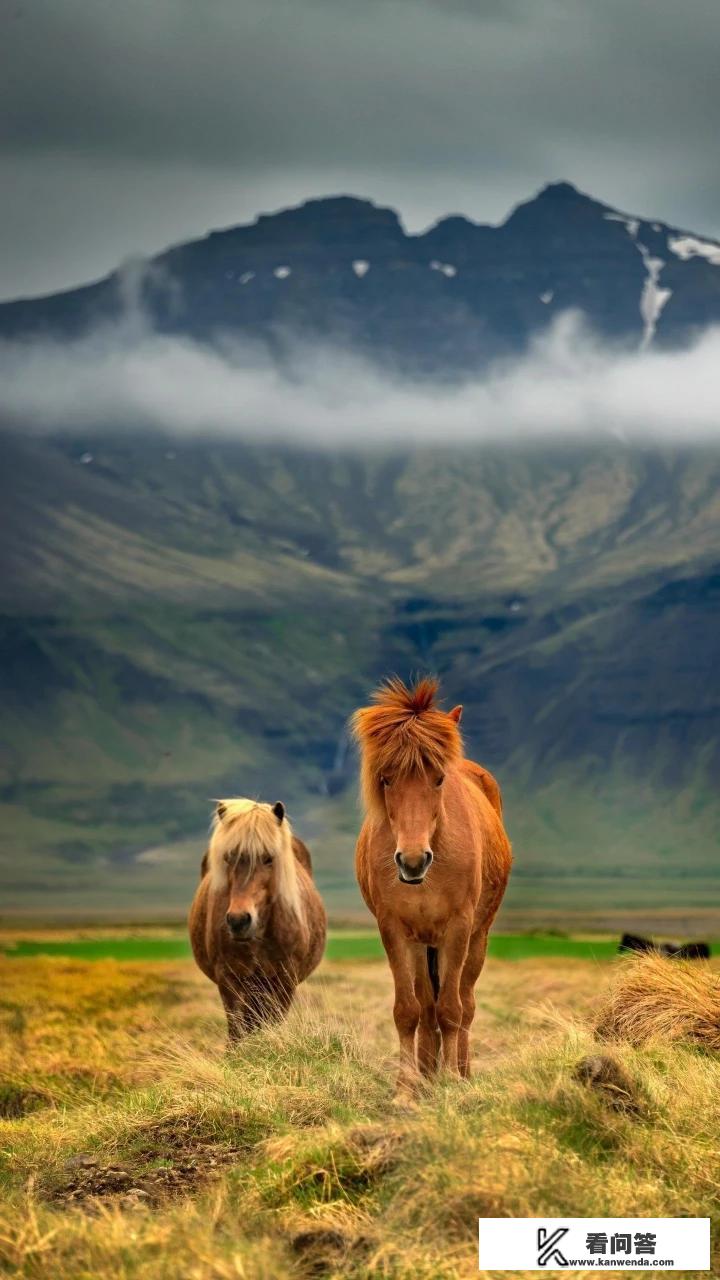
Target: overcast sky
[[126, 125]]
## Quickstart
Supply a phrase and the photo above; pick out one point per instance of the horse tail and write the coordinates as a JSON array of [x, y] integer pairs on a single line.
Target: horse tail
[[433, 970]]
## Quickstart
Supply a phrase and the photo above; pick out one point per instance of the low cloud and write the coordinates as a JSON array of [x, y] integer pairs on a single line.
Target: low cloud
[[568, 385]]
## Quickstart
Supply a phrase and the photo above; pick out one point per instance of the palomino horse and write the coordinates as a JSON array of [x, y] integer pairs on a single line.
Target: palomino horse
[[432, 862], [257, 922]]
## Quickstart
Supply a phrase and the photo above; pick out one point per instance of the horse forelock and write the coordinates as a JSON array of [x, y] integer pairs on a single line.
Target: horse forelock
[[403, 732], [251, 828]]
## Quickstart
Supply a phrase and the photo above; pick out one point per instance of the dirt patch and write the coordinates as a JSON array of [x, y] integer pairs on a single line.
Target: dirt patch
[[322, 1249], [17, 1101], [168, 1160]]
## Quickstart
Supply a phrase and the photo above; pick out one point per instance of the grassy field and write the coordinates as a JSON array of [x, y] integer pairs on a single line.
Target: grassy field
[[132, 1146]]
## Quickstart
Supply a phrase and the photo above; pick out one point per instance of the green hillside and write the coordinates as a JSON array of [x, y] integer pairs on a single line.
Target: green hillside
[[184, 620]]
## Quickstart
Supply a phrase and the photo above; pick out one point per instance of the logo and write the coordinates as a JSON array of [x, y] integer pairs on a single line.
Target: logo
[[593, 1244], [547, 1246]]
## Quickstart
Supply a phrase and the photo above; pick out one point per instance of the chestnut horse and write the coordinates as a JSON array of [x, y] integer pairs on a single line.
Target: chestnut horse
[[432, 862], [257, 922]]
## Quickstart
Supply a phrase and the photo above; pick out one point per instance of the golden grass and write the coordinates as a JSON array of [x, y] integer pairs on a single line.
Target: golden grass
[[151, 1154], [654, 998]]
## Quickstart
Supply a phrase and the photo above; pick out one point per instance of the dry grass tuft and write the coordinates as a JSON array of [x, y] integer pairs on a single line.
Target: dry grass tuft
[[657, 999]]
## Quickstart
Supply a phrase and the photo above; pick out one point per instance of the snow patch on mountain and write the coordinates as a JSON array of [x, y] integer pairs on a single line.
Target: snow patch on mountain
[[281, 273], [652, 298], [686, 247], [446, 268], [632, 224], [360, 267]]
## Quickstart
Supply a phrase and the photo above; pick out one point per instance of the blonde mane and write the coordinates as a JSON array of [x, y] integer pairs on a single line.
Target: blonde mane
[[253, 828], [404, 732]]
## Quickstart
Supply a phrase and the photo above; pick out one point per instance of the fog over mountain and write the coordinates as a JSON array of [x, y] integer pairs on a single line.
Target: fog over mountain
[[568, 385]]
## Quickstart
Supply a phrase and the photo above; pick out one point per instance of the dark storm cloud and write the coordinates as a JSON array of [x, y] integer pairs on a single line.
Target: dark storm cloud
[[157, 120]]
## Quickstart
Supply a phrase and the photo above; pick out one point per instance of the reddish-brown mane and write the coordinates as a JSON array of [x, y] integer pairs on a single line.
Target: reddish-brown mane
[[404, 732]]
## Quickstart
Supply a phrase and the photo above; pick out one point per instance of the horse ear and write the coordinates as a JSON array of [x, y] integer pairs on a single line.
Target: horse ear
[[220, 810], [279, 810], [456, 713]]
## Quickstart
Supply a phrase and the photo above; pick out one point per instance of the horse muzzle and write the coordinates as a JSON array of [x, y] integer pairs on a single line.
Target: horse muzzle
[[241, 925], [413, 870]]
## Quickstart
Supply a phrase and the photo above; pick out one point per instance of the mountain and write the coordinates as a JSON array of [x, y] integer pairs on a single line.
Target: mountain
[[343, 271], [182, 620], [186, 618]]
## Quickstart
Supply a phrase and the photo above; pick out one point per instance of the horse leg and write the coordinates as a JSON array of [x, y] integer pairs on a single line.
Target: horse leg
[[234, 1011], [266, 999], [452, 954], [469, 976], [406, 1009], [279, 998], [428, 1032]]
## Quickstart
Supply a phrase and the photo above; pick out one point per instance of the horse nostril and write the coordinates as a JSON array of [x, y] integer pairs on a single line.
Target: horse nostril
[[238, 922], [412, 871]]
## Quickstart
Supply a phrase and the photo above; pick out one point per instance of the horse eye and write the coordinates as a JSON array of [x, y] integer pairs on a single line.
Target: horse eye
[[384, 781], [440, 780], [227, 858], [266, 859]]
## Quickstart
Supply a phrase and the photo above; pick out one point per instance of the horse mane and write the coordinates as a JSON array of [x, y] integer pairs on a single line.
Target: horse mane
[[403, 732], [253, 828]]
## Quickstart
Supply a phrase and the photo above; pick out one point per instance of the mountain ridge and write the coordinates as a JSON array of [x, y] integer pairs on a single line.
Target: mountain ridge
[[343, 270]]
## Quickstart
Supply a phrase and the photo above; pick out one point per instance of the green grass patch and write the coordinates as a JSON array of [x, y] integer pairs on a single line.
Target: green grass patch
[[131, 948], [360, 945]]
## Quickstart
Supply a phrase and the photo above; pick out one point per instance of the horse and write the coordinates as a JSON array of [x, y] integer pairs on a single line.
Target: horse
[[257, 922], [432, 862]]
